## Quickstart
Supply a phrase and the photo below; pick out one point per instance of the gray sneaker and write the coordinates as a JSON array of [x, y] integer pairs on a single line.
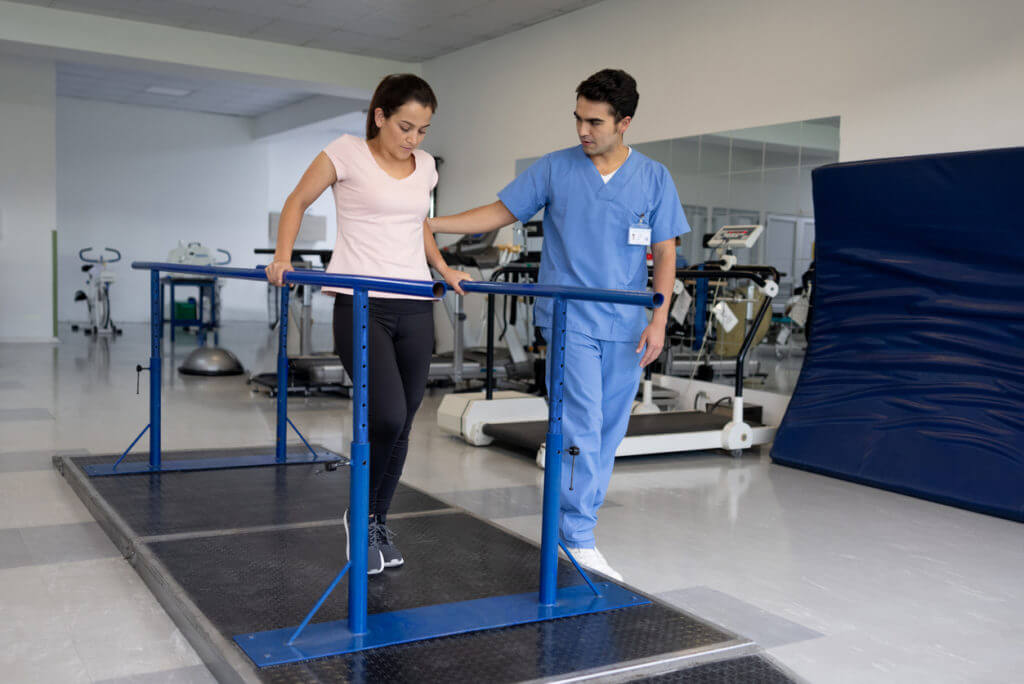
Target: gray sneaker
[[392, 556], [374, 558]]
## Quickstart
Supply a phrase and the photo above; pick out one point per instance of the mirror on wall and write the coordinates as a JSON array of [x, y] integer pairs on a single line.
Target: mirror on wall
[[752, 175]]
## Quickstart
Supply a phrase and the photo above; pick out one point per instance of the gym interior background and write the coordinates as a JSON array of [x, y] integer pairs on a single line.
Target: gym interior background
[[135, 124]]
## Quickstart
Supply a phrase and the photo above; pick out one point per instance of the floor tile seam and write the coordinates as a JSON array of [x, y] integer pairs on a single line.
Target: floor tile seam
[[327, 522], [35, 563]]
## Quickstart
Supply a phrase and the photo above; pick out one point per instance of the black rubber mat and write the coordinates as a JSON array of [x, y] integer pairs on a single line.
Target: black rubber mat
[[196, 501], [530, 435], [745, 670], [449, 557], [269, 579]]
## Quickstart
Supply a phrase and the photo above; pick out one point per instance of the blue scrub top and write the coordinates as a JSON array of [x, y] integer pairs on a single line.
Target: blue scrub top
[[586, 232]]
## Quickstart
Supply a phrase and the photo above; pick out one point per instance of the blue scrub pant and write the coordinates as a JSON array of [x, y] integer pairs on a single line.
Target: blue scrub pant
[[601, 380]]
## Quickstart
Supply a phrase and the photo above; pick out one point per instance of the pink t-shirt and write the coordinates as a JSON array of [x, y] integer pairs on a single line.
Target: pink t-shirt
[[380, 218]]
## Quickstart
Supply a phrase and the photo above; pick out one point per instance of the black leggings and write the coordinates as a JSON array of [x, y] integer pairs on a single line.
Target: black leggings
[[401, 341]]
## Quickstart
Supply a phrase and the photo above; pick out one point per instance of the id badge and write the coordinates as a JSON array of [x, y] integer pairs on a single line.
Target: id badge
[[640, 234]]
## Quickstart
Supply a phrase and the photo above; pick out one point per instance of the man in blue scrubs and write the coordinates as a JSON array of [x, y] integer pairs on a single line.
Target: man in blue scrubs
[[606, 206]]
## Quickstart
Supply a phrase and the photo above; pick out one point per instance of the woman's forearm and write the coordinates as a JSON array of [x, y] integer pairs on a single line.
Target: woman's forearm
[[434, 256], [288, 228], [479, 220]]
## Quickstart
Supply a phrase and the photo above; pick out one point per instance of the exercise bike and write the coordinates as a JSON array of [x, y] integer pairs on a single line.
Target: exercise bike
[[97, 291]]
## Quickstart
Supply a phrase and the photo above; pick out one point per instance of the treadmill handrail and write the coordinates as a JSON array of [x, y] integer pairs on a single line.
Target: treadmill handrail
[[708, 274], [514, 268]]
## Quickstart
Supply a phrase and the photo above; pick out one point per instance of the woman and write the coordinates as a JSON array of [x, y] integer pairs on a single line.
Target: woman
[[382, 189]]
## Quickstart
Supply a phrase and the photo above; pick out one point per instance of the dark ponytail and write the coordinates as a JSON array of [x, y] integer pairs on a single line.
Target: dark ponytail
[[393, 92]]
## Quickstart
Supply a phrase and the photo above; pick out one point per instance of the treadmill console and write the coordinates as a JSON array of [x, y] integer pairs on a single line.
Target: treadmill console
[[735, 237]]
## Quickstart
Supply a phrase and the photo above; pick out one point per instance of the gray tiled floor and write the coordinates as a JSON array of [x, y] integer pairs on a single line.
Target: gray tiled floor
[[183, 675], [755, 623], [502, 502], [841, 583], [68, 543], [23, 461], [24, 414]]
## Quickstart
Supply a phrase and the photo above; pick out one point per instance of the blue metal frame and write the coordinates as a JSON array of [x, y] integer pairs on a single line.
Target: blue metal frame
[[553, 459], [359, 482], [282, 378], [325, 639], [156, 331], [631, 298], [361, 631], [280, 455]]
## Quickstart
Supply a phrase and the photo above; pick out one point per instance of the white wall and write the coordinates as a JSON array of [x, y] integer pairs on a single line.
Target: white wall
[[27, 198], [140, 179], [289, 156], [913, 77]]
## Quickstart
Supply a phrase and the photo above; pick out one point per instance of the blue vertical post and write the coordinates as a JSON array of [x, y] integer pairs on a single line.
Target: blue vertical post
[[553, 459], [156, 329], [700, 311], [359, 487], [282, 379]]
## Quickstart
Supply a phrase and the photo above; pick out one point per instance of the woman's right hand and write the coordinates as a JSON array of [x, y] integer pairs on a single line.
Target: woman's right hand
[[276, 270], [454, 277]]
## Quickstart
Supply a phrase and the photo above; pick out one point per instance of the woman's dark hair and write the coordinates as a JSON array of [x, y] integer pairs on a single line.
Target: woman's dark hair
[[613, 86], [393, 92]]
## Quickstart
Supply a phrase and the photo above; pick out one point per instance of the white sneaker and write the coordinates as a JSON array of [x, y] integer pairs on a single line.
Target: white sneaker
[[593, 560]]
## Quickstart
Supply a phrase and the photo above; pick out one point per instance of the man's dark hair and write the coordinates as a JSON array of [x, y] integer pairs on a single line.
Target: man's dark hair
[[393, 92], [613, 86]]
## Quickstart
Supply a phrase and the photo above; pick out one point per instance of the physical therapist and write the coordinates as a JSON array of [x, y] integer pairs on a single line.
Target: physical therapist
[[606, 205]]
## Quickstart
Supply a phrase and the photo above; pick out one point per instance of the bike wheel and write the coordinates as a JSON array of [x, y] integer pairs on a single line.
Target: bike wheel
[[103, 309]]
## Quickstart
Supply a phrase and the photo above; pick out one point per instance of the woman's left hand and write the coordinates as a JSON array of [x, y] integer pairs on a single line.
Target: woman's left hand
[[453, 278]]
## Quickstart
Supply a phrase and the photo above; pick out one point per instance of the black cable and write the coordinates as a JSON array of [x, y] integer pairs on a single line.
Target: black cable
[[712, 407]]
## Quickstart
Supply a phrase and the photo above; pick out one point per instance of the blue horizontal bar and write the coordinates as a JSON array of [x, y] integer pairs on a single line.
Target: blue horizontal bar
[[430, 622], [221, 271], [632, 298], [415, 288], [216, 463]]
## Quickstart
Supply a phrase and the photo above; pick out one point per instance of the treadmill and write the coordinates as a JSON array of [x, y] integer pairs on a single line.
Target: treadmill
[[519, 421], [309, 372]]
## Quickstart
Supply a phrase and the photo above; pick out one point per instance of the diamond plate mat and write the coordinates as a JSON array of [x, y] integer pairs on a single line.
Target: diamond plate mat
[[269, 579], [198, 501]]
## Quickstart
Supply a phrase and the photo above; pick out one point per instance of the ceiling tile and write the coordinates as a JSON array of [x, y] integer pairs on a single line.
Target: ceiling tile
[[285, 31], [440, 26]]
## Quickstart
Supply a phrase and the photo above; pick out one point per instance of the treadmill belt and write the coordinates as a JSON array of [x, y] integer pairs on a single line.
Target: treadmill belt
[[534, 433]]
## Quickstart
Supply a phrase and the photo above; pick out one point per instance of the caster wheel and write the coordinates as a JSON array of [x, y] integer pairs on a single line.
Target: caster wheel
[[737, 453], [331, 465]]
